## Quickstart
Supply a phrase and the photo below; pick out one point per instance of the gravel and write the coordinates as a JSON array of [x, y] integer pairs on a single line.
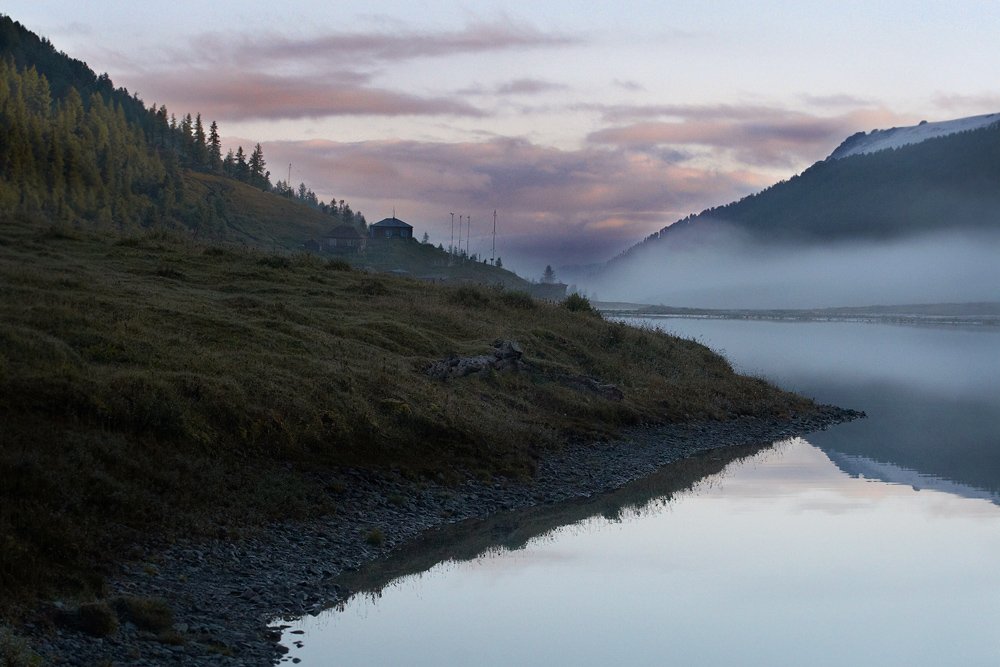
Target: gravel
[[224, 594]]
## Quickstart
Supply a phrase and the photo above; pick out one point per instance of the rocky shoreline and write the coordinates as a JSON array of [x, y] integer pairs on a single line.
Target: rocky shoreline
[[223, 596]]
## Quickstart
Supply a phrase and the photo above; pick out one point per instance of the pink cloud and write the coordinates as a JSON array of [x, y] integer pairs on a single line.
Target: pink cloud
[[576, 205], [241, 95], [528, 87], [754, 135], [364, 48]]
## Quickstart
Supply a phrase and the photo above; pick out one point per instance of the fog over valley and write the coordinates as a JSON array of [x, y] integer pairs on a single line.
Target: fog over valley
[[724, 268]]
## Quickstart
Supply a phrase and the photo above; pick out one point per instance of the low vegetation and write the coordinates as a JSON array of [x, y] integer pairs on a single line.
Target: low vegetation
[[152, 387]]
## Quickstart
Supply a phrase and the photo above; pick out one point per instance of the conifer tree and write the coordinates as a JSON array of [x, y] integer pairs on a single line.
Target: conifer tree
[[200, 150], [214, 146]]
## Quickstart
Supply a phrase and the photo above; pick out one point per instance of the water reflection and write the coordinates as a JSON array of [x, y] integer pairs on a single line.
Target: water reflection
[[932, 394], [870, 544], [782, 559]]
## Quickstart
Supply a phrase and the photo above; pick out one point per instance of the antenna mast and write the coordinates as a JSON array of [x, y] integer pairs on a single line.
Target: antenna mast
[[468, 236], [451, 246], [289, 181], [493, 258]]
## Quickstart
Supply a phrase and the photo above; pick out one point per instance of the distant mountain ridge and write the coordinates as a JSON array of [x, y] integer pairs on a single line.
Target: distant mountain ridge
[[896, 137], [885, 184], [906, 215]]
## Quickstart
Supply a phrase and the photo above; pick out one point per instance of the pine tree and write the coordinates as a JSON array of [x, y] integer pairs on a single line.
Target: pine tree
[[240, 169], [214, 146], [256, 167], [200, 150]]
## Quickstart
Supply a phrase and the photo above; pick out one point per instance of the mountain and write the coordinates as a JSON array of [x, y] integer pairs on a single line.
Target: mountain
[[870, 187], [896, 137], [905, 215]]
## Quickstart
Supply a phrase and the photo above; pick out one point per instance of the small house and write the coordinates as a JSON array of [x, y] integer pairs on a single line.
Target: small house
[[390, 228], [344, 239]]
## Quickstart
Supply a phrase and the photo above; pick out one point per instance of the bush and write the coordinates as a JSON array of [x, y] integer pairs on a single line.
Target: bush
[[519, 299], [97, 619], [470, 297], [578, 304], [152, 614], [338, 265], [276, 262]]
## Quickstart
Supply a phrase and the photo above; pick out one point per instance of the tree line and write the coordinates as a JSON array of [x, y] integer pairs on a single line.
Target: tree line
[[77, 148]]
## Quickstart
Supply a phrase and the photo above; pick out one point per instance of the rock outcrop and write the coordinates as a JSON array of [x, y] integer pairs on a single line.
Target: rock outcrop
[[506, 356]]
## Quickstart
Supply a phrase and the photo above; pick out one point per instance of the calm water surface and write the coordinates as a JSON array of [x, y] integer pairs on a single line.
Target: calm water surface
[[872, 543]]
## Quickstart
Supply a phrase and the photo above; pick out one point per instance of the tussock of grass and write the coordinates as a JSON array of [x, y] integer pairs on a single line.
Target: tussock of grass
[[152, 386]]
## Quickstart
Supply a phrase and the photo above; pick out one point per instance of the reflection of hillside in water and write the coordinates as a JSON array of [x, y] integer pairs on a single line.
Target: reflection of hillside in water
[[865, 468], [932, 394], [511, 531], [954, 440]]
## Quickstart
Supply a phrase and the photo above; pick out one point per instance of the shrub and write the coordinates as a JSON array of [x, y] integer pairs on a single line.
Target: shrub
[[518, 299], [152, 614], [338, 265], [470, 297], [373, 288], [375, 537], [14, 651], [97, 619], [578, 304], [276, 262]]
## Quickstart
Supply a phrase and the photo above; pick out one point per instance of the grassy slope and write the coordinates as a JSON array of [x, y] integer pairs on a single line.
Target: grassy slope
[[152, 386], [256, 217], [270, 222]]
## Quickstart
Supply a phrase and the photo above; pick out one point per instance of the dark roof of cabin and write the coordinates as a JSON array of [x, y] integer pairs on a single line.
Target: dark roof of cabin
[[392, 222], [344, 232]]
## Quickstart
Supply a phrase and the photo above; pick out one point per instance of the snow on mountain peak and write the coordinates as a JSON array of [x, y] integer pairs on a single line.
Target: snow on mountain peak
[[880, 140]]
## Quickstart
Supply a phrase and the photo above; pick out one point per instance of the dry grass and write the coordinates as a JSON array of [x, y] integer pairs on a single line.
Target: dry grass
[[150, 386]]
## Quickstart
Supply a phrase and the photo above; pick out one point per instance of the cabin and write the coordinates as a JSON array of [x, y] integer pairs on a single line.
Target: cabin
[[344, 239], [390, 228]]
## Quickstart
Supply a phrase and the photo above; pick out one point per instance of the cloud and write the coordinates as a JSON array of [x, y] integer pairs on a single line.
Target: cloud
[[838, 100], [363, 48], [986, 102], [528, 87], [566, 205], [275, 76], [240, 95], [626, 84], [758, 136]]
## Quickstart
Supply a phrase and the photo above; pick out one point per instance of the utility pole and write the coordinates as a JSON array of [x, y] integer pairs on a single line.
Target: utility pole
[[289, 181], [468, 236], [451, 246], [493, 256]]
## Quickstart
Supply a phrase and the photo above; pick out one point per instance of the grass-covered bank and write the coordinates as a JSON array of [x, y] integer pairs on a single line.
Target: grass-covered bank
[[153, 386]]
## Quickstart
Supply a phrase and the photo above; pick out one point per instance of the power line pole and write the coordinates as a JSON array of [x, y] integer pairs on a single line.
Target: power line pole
[[493, 257], [451, 246], [468, 236]]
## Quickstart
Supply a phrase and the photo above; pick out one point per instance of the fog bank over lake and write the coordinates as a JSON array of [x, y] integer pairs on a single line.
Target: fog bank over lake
[[716, 266]]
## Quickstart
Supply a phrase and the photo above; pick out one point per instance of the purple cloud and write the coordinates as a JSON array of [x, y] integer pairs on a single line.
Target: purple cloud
[[528, 87], [754, 135], [578, 205], [239, 95]]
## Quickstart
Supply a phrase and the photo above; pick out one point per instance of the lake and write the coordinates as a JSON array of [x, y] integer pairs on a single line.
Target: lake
[[871, 543]]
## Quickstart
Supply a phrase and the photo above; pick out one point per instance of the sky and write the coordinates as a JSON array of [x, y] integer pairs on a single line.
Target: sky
[[586, 126]]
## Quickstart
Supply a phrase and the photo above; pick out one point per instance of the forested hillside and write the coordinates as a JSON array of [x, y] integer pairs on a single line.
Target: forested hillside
[[75, 149], [944, 183]]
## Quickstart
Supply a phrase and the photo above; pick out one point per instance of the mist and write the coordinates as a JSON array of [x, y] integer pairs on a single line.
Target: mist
[[717, 266]]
